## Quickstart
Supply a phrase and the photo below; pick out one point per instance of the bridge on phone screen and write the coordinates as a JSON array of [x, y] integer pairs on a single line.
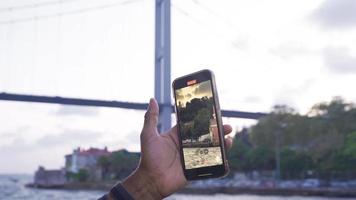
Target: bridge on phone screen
[[162, 79]]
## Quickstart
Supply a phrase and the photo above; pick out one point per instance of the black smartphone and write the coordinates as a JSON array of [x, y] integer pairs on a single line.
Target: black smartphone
[[200, 126]]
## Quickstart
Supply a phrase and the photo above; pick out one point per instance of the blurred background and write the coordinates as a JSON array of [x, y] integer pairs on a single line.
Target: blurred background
[[293, 60]]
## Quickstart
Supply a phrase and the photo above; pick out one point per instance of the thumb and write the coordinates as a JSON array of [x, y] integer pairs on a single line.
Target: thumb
[[151, 119]]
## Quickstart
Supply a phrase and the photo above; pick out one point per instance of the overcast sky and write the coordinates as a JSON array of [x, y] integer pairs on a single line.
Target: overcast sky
[[263, 53], [199, 90]]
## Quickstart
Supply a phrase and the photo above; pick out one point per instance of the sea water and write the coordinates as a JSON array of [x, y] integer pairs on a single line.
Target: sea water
[[12, 188]]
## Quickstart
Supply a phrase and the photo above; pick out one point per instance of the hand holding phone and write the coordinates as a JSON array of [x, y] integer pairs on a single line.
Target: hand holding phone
[[160, 173], [200, 126]]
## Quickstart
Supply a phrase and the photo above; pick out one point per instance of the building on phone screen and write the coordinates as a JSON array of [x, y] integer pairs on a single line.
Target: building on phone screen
[[214, 133]]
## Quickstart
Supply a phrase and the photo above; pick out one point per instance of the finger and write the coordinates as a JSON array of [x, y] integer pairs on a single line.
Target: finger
[[173, 135], [227, 129], [228, 142], [227, 166], [151, 119]]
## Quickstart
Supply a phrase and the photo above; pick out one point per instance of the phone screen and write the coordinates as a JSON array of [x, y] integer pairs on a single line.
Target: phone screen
[[198, 125]]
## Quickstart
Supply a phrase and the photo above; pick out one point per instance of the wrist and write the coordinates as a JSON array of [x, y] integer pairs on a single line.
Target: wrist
[[140, 186]]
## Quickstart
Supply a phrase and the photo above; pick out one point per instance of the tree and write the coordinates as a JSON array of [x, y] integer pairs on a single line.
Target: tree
[[323, 141], [279, 123], [82, 175], [201, 123], [123, 163], [261, 158], [104, 163], [293, 163], [238, 159], [345, 158]]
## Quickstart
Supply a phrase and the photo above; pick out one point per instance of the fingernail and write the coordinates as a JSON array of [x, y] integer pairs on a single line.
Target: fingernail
[[150, 104]]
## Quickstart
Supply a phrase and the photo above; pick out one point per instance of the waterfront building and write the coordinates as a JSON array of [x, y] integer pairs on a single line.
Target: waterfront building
[[49, 178], [85, 160]]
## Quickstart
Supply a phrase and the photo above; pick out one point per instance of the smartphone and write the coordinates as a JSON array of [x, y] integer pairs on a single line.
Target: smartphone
[[199, 125]]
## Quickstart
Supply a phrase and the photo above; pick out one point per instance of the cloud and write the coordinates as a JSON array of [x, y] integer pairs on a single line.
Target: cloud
[[18, 145], [69, 137], [339, 60], [336, 14], [133, 137], [241, 43], [19, 131], [179, 97], [203, 88], [66, 138], [66, 110], [15, 136], [252, 99], [290, 50], [289, 95], [179, 94], [24, 156]]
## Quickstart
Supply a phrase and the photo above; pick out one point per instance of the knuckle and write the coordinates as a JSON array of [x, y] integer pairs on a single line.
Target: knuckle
[[147, 115]]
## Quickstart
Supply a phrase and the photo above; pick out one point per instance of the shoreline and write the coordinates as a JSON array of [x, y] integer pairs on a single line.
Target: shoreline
[[320, 192]]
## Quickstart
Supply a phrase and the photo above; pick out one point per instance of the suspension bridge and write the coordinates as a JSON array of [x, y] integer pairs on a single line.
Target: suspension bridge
[[162, 68]]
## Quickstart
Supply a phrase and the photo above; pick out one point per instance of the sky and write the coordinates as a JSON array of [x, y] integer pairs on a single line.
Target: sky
[[199, 90], [263, 53]]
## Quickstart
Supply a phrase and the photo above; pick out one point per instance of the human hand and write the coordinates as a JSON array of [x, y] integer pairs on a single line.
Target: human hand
[[160, 171]]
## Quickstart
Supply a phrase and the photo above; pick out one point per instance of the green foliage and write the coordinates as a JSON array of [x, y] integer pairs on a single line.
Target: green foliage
[[324, 140], [261, 158], [345, 157], [243, 157], [82, 175], [201, 123], [104, 163], [295, 161], [122, 163], [349, 149], [191, 109], [71, 176], [186, 130], [118, 165], [195, 117], [237, 155]]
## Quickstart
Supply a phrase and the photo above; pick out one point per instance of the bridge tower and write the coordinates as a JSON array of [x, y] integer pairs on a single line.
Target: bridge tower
[[163, 62]]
